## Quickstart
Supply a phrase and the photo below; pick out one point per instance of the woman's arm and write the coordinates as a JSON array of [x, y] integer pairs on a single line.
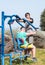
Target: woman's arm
[[30, 20], [31, 33], [20, 20]]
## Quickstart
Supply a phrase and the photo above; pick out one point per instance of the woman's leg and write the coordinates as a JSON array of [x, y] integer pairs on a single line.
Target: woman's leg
[[34, 54], [33, 50]]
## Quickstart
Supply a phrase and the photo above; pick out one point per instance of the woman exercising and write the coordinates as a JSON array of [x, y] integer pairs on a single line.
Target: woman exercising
[[30, 47]]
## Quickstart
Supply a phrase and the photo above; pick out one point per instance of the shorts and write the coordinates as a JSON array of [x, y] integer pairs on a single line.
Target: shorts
[[26, 46]]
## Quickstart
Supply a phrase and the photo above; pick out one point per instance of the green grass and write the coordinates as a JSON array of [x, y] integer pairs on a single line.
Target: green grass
[[40, 54]]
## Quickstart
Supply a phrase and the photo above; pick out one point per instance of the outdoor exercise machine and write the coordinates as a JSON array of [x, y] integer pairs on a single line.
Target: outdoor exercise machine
[[2, 44]]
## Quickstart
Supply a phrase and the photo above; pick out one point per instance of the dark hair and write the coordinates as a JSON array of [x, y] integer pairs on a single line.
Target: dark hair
[[26, 14], [22, 27]]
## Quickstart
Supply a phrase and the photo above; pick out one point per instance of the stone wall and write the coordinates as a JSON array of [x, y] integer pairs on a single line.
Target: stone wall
[[39, 39]]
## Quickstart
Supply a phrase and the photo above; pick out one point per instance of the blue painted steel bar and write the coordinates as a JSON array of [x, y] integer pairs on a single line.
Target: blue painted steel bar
[[29, 23], [21, 58], [0, 26], [0, 50], [10, 59], [5, 16], [12, 36], [7, 54], [17, 17], [2, 38], [12, 20], [19, 23]]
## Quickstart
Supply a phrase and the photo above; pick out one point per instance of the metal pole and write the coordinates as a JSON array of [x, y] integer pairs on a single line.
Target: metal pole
[[2, 38]]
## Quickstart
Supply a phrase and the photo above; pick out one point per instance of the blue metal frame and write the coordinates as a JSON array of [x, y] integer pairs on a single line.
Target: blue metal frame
[[2, 27], [2, 44]]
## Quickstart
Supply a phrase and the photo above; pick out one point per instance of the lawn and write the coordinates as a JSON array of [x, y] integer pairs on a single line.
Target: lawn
[[40, 54]]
